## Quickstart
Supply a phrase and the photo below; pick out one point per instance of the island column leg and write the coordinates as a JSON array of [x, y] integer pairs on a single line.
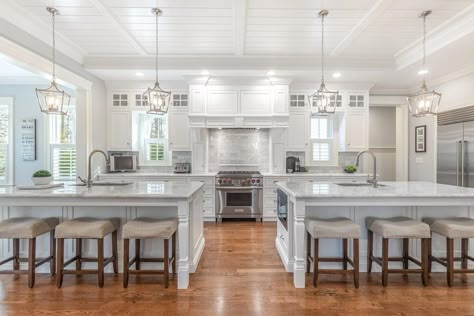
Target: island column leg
[[299, 243], [183, 245]]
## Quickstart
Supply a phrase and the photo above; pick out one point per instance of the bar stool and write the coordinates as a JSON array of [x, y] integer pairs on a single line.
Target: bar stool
[[404, 228], [28, 228], [148, 228], [452, 228], [87, 228], [333, 228]]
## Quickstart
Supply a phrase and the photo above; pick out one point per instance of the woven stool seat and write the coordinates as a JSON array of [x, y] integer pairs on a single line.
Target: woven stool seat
[[143, 227], [337, 228], [398, 227], [452, 227], [26, 227], [87, 227]]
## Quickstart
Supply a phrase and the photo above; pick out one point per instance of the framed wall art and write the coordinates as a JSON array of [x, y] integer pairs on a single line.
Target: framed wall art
[[420, 139]]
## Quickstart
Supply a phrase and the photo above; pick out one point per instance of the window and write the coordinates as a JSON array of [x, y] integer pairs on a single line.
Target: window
[[62, 145], [152, 138], [323, 149], [6, 141]]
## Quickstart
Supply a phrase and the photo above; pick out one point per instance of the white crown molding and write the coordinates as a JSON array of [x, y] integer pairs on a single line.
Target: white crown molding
[[12, 12], [26, 59], [460, 25], [375, 11], [454, 75], [300, 85], [118, 27], [240, 17]]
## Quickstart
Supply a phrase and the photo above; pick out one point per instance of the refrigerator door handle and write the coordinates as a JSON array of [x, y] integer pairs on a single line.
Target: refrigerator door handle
[[462, 161], [457, 163]]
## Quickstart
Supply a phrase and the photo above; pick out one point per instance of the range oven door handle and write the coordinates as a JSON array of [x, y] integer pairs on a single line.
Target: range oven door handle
[[239, 188]]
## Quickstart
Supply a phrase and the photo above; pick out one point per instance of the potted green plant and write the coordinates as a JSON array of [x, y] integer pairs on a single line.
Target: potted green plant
[[350, 169], [41, 177]]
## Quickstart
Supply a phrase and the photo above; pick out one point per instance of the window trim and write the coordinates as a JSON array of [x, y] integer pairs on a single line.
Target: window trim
[[9, 101], [333, 143]]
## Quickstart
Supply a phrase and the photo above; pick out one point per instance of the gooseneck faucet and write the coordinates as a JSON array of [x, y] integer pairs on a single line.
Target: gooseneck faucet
[[89, 166], [373, 181]]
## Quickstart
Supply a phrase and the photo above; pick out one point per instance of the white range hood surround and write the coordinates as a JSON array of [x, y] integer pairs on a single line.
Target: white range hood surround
[[239, 102]]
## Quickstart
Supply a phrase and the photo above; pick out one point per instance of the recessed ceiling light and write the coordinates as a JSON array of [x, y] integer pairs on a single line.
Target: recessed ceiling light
[[139, 74], [270, 73], [336, 75], [205, 73], [423, 71]]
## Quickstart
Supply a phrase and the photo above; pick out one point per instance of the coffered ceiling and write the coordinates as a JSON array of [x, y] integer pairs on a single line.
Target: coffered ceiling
[[251, 35]]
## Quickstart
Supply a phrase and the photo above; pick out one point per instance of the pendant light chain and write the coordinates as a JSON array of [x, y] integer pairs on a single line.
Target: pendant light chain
[[54, 45], [156, 40], [322, 49]]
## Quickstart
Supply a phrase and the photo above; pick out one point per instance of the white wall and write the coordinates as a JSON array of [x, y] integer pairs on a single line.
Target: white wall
[[456, 93]]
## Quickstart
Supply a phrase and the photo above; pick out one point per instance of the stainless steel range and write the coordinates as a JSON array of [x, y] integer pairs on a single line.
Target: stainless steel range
[[239, 194]]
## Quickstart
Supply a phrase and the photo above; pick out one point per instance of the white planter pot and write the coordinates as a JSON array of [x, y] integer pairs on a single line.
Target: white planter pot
[[41, 180]]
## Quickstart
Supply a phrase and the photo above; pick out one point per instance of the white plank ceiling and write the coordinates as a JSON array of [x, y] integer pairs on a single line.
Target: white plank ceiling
[[355, 29]]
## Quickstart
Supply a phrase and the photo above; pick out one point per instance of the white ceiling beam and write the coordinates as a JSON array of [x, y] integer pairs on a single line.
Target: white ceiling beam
[[240, 24], [459, 26], [118, 26], [357, 30]]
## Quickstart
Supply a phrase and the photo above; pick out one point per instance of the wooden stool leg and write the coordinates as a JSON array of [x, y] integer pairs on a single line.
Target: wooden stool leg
[[370, 249], [126, 260], [115, 252], [344, 254], [137, 254], [405, 252], [425, 244], [384, 261], [356, 262], [450, 260], [315, 262], [166, 262], [52, 253], [430, 253], [464, 252], [16, 254], [31, 262], [308, 252], [78, 255], [100, 262], [173, 253], [60, 262]]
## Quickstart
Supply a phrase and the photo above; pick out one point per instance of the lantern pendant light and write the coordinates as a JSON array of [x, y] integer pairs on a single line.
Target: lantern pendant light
[[157, 98], [323, 101], [424, 102], [52, 100]]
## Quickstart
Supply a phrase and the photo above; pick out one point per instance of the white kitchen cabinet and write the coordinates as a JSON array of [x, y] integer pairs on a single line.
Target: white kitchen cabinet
[[355, 133], [120, 130], [297, 133], [199, 158], [281, 100], [256, 101], [196, 99], [120, 100], [278, 158], [297, 102], [357, 100], [222, 101], [179, 131]]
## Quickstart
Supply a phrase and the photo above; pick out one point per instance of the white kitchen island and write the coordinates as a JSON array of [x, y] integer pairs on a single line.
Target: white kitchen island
[[182, 201], [412, 199]]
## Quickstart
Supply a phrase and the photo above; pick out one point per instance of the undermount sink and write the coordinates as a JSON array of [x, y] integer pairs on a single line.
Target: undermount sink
[[105, 183], [111, 183], [359, 184]]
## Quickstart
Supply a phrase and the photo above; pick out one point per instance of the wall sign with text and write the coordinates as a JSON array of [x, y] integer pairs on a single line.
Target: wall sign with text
[[28, 140]]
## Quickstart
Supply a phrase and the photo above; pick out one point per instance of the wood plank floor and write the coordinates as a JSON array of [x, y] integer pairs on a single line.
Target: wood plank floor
[[240, 274]]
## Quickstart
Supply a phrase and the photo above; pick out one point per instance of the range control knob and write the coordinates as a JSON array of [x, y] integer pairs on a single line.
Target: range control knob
[[219, 181]]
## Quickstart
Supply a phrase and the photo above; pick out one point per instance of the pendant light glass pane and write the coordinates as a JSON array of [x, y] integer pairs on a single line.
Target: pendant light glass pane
[[323, 101], [52, 100], [158, 100], [425, 102]]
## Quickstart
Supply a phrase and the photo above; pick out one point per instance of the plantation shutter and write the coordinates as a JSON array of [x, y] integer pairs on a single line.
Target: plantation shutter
[[63, 161]]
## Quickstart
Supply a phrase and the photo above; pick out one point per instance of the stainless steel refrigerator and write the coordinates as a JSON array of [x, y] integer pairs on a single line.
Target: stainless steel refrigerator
[[456, 154]]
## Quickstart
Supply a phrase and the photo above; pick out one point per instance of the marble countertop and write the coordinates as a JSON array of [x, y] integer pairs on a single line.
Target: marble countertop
[[315, 174], [390, 189], [155, 174], [139, 189]]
